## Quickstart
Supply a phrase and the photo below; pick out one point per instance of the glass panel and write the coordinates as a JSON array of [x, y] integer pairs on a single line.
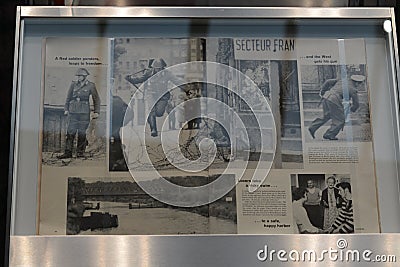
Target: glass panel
[[311, 101]]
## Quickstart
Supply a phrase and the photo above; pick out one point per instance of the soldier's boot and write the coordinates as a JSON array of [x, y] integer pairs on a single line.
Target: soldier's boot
[[327, 137], [81, 146], [316, 124], [69, 141], [153, 125], [333, 131]]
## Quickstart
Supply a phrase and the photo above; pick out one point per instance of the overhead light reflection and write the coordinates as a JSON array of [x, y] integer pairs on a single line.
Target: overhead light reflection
[[387, 26], [127, 12]]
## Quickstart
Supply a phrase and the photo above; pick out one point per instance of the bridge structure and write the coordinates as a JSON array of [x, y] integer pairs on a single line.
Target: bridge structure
[[131, 190]]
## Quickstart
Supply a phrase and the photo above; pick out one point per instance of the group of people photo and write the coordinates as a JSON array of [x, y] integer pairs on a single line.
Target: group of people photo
[[328, 210]]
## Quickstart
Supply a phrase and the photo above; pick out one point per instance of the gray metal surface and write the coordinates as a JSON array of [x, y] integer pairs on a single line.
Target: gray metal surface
[[395, 77], [205, 12], [305, 3], [176, 251]]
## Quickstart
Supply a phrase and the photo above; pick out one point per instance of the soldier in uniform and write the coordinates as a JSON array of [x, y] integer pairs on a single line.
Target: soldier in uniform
[[155, 90], [77, 108], [333, 95]]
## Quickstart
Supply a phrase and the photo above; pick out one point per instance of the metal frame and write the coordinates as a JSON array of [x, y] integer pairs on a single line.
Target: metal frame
[[394, 52], [193, 251], [30, 250], [13, 141], [204, 12]]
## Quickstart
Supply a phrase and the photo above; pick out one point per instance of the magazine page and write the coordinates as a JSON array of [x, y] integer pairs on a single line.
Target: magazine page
[[73, 139], [95, 193], [337, 128], [319, 97], [166, 146], [206, 136]]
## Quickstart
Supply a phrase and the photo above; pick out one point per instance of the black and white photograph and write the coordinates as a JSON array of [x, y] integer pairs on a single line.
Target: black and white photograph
[[135, 61], [335, 103], [278, 81], [105, 206], [322, 203], [74, 103]]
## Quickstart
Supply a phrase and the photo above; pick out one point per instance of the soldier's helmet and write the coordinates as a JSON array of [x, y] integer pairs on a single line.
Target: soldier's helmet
[[158, 63], [82, 72]]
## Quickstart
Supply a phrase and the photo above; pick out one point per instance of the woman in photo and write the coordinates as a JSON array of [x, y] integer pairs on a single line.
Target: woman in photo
[[312, 204], [300, 216]]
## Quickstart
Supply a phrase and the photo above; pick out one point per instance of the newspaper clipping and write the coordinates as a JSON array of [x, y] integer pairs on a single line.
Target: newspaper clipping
[[73, 138], [316, 175]]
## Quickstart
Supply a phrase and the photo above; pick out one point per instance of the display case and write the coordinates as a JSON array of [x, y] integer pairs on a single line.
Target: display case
[[180, 136]]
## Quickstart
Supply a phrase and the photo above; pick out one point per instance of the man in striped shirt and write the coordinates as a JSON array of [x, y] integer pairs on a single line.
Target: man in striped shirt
[[344, 223]]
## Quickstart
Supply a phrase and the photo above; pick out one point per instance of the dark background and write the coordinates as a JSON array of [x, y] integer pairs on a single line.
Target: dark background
[[7, 30], [7, 27]]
